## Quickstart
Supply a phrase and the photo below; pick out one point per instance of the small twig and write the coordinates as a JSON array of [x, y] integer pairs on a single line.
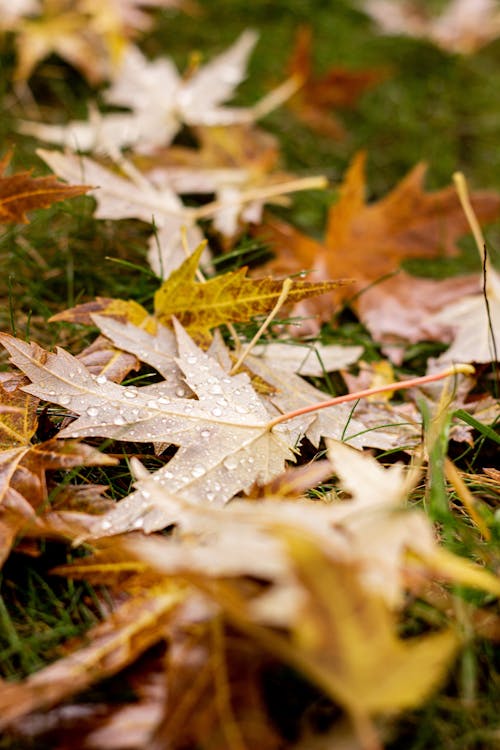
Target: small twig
[[281, 299], [398, 386]]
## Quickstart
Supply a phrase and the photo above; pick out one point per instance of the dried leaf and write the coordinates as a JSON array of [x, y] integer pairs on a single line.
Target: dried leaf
[[369, 241], [464, 26], [475, 323], [101, 358], [122, 197], [348, 643], [108, 647], [214, 692], [360, 426], [224, 430], [319, 95], [88, 34], [313, 359], [18, 419], [399, 310], [21, 192], [230, 297], [160, 100]]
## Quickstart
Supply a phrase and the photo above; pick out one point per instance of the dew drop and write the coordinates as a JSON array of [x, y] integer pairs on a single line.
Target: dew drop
[[217, 412], [242, 410], [106, 524], [130, 394], [64, 400], [101, 379], [119, 420], [163, 400], [205, 433], [180, 392], [198, 471], [210, 497], [92, 411], [215, 389], [138, 523], [192, 360], [231, 463]]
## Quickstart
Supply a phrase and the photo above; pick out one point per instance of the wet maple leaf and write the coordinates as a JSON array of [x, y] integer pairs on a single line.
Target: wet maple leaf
[[20, 192], [369, 241], [24, 487], [319, 95]]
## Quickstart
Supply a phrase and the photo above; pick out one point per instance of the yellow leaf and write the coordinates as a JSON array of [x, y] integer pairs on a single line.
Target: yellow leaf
[[346, 639], [230, 297]]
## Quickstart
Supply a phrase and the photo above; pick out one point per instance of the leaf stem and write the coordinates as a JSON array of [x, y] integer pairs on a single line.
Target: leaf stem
[[265, 325], [398, 386], [261, 194], [463, 194]]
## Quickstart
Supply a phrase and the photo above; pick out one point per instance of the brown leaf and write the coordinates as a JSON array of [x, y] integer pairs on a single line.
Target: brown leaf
[[397, 311], [21, 192], [24, 488], [214, 692], [106, 649], [102, 358], [318, 95], [369, 241]]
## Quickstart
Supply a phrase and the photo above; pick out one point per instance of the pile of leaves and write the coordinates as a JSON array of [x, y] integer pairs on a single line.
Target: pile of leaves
[[246, 522]]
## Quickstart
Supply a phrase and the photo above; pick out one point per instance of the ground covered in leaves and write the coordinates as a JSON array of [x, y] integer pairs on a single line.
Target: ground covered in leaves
[[249, 390]]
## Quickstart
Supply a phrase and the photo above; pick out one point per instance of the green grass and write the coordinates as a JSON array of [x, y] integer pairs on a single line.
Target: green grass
[[432, 106]]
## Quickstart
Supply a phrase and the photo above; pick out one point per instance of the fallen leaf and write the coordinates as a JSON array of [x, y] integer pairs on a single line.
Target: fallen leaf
[[133, 196], [21, 192], [105, 649], [369, 241], [231, 297], [160, 100], [464, 26], [348, 643], [101, 358], [319, 95], [360, 426], [475, 324], [215, 696], [398, 311], [225, 429], [314, 359], [88, 34]]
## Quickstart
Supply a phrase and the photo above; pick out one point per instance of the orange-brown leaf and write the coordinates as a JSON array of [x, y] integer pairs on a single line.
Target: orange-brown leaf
[[369, 241], [21, 192]]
